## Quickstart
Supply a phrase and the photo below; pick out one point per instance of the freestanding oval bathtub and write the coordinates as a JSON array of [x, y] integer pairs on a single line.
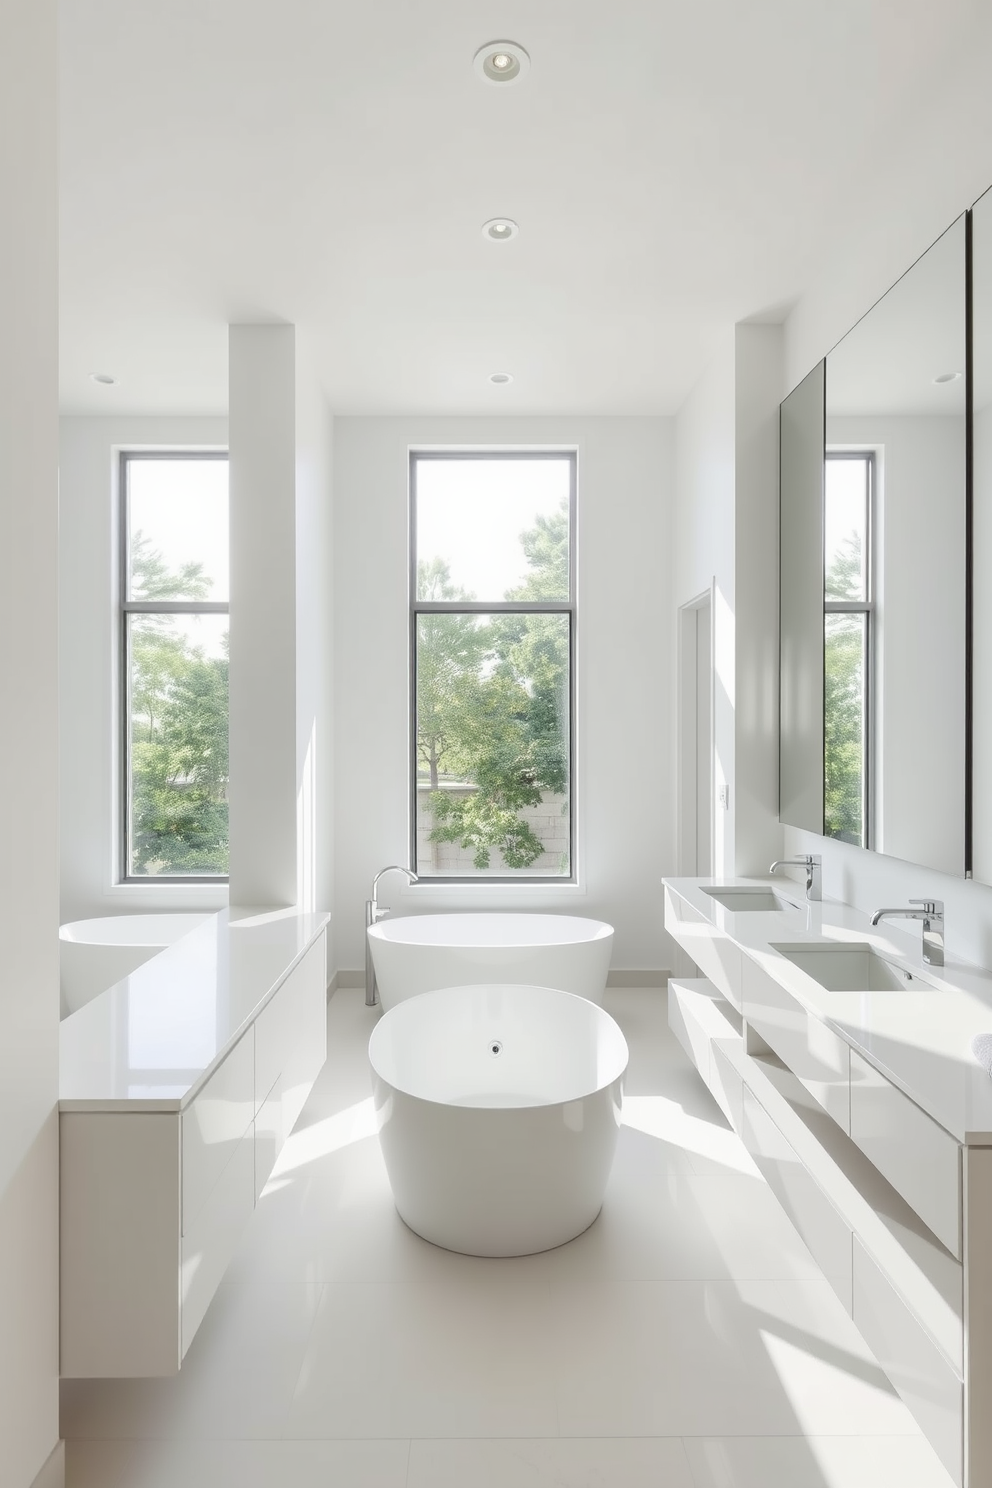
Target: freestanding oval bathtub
[[498, 1109], [422, 953], [94, 954]]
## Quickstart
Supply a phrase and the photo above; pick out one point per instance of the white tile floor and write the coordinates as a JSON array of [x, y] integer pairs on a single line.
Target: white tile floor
[[686, 1340]]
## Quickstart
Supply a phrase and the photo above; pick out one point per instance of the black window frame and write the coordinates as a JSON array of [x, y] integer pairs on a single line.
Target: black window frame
[[128, 607], [567, 607]]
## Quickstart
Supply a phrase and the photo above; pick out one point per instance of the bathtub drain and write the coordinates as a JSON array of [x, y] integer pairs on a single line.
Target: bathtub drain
[[495, 1047]]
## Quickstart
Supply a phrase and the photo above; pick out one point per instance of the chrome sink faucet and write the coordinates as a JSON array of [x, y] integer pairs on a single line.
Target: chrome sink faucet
[[372, 914], [931, 912], [813, 864]]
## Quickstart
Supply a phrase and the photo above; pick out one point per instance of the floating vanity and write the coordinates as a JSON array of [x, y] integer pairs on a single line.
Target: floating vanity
[[844, 1064], [178, 1087]]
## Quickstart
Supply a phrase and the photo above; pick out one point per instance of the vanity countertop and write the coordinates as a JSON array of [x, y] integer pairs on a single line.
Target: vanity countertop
[[918, 1036], [149, 1042]]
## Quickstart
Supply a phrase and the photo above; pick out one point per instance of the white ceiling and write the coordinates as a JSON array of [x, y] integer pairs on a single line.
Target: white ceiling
[[674, 168]]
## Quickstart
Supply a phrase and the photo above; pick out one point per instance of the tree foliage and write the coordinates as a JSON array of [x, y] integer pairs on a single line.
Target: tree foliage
[[843, 705], [179, 730], [492, 706]]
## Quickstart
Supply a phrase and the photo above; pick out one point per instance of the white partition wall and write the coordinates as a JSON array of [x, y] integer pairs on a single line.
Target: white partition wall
[[29, 982], [263, 785]]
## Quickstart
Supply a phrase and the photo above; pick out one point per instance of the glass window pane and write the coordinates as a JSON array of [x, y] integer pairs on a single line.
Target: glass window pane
[[493, 745], [177, 745], [845, 726], [492, 530], [177, 529], [845, 526]]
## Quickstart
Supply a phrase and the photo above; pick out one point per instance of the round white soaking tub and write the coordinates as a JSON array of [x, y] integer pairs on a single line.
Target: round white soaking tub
[[94, 954], [422, 953], [498, 1109]]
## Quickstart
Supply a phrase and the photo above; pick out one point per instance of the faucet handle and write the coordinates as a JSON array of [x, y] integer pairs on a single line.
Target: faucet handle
[[932, 907]]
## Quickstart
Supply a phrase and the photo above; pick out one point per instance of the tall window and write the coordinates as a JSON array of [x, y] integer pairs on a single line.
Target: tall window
[[848, 644], [174, 622], [492, 641]]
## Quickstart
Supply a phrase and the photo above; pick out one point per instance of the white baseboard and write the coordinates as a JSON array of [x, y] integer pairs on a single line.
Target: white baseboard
[[52, 1475], [345, 978]]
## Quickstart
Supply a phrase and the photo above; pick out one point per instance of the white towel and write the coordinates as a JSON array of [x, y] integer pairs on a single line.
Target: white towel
[[981, 1047]]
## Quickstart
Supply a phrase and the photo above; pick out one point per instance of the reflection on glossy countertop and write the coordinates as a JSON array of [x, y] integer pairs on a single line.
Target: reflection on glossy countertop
[[918, 1035], [148, 1042]]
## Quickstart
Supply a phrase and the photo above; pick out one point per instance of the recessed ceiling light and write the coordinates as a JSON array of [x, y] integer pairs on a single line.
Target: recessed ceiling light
[[947, 377], [500, 377], [500, 229], [501, 62], [103, 378]]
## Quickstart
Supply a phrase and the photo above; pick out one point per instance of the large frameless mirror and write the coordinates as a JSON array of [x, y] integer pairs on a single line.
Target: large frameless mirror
[[874, 575], [894, 569], [982, 548]]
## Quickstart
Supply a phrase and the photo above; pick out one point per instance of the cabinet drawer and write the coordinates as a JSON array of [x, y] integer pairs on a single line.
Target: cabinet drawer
[[828, 1236], [919, 1158], [727, 1087], [914, 1364], [290, 1031], [819, 1059], [270, 1133], [214, 1123], [210, 1242]]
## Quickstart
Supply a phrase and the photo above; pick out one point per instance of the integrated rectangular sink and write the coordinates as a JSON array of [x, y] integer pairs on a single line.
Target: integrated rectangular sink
[[850, 967], [743, 898]]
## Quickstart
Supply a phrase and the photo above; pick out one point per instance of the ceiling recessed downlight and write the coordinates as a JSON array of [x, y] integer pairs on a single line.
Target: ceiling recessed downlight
[[943, 377], [500, 229], [105, 379], [501, 62], [500, 377]]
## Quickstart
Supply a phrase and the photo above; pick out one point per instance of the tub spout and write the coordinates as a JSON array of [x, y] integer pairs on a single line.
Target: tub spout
[[372, 914]]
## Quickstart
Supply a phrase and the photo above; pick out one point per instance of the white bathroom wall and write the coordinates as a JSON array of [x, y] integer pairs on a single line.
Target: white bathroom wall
[[702, 556], [88, 640], [624, 749], [758, 360], [314, 643], [727, 536], [29, 989], [907, 214]]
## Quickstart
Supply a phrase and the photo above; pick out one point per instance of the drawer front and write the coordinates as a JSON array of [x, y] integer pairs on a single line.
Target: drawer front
[[827, 1235], [290, 1031], [211, 1241], [817, 1057], [914, 1364], [919, 1158], [727, 1087], [214, 1123], [717, 957]]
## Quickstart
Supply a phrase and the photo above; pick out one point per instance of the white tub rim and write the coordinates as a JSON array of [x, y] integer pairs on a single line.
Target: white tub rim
[[145, 939], [612, 1029], [386, 930]]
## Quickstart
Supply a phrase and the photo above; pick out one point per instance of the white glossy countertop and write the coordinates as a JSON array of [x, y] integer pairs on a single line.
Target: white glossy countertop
[[920, 1038], [149, 1042]]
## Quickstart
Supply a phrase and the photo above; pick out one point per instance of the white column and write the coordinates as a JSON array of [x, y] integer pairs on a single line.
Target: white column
[[29, 990], [262, 441]]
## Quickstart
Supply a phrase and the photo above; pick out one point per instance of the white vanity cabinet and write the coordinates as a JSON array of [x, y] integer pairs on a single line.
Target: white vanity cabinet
[[179, 1087], [873, 1126]]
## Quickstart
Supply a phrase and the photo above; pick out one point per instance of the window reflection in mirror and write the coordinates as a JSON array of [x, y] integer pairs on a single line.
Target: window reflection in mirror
[[895, 567], [848, 635]]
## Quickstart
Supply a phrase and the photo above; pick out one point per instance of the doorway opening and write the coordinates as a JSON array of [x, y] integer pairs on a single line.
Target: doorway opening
[[695, 737]]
